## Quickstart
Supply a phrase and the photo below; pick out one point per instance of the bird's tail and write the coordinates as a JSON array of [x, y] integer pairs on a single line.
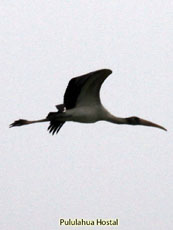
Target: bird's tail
[[22, 122]]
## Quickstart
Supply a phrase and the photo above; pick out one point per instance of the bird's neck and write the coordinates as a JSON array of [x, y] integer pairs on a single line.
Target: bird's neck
[[116, 120], [35, 121]]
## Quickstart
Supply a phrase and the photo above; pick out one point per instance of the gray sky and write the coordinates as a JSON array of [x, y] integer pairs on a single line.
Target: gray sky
[[91, 171]]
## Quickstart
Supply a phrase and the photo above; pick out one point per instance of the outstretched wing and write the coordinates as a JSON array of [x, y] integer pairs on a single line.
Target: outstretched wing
[[55, 125], [85, 90], [81, 91]]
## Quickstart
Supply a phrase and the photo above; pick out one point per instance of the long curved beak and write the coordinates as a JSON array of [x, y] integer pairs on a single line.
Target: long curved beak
[[149, 123]]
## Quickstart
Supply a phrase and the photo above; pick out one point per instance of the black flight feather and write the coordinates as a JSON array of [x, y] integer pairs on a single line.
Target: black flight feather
[[55, 125]]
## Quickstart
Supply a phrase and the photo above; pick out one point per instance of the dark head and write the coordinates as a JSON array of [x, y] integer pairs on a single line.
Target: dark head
[[139, 121], [133, 120], [19, 122]]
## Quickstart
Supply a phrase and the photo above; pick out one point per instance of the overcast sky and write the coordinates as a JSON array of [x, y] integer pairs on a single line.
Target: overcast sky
[[87, 171]]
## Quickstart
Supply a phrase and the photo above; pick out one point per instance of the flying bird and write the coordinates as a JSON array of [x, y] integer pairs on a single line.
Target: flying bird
[[82, 104]]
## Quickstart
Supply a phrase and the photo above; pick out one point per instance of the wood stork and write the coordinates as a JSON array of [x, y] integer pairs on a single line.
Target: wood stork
[[82, 104]]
